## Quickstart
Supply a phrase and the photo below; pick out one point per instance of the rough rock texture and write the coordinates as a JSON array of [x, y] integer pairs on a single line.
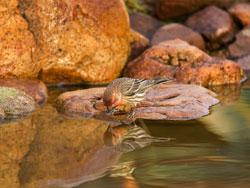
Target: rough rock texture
[[178, 31], [177, 59], [242, 44], [162, 102], [79, 41], [173, 8], [138, 44], [144, 24], [15, 140], [17, 44], [241, 12], [14, 103], [34, 88], [65, 152], [244, 62], [214, 24]]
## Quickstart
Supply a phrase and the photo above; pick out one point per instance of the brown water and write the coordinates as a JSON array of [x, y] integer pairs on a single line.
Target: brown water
[[47, 149]]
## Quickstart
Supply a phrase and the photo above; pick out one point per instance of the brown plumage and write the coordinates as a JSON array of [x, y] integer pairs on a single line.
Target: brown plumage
[[127, 91]]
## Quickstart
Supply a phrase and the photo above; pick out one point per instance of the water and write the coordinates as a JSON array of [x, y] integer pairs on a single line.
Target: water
[[47, 149]]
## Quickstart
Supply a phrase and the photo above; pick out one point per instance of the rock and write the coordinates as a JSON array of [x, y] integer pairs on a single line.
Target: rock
[[79, 41], [177, 59], [246, 84], [217, 31], [65, 152], [166, 9], [241, 12], [34, 88], [15, 141], [144, 24], [138, 44], [17, 44], [178, 31], [162, 102], [242, 44], [15, 103], [244, 61]]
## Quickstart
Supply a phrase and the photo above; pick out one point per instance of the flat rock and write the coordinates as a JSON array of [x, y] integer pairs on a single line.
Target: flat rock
[[187, 64], [79, 41], [215, 24], [170, 9], [17, 44], [14, 103], [241, 12], [138, 44], [178, 31], [242, 44], [144, 24], [162, 102], [34, 88], [244, 61]]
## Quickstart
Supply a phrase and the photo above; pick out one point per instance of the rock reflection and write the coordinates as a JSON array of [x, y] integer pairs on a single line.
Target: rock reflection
[[65, 152], [126, 138]]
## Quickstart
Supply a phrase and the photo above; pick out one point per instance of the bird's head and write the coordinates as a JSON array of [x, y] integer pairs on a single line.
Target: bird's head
[[112, 99]]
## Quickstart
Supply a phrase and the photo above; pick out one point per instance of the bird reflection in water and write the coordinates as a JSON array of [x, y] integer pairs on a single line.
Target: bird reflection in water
[[126, 138]]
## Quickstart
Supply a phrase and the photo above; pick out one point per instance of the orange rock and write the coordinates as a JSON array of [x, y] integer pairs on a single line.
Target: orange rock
[[177, 59], [17, 44], [81, 40], [241, 12]]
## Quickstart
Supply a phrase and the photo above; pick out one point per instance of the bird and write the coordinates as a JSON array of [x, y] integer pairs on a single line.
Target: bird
[[128, 91], [126, 138]]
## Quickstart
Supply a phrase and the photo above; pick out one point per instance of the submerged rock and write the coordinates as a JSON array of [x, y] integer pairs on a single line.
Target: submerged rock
[[217, 31], [241, 12], [177, 59], [178, 31], [79, 41], [17, 44], [34, 88], [14, 103], [176, 102]]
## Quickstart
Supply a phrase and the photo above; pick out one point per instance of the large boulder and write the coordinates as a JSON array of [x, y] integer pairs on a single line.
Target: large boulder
[[170, 9], [79, 41], [217, 31], [164, 101], [241, 12], [17, 44], [187, 64]]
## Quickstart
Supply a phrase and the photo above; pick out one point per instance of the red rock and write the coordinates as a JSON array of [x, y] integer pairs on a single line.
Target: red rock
[[34, 88], [162, 102], [144, 24], [214, 24], [138, 44], [17, 44], [172, 8], [241, 12], [177, 59], [178, 31], [79, 41], [242, 44]]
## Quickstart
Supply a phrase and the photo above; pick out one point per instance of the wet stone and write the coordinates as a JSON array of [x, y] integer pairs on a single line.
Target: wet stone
[[217, 31], [187, 64], [14, 103], [241, 12], [34, 88], [178, 31], [170, 102]]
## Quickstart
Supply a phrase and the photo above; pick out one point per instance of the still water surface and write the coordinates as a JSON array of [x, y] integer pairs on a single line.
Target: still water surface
[[50, 150]]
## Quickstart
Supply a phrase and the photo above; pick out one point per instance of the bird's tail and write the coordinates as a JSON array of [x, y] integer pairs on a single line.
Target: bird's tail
[[161, 80]]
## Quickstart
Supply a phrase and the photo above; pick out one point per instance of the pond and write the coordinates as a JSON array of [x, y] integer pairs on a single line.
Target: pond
[[47, 149]]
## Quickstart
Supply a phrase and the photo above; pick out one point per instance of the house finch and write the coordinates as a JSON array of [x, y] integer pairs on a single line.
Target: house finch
[[127, 91], [126, 138]]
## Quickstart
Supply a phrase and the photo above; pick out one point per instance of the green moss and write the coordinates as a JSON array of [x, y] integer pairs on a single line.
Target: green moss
[[6, 92], [133, 5]]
